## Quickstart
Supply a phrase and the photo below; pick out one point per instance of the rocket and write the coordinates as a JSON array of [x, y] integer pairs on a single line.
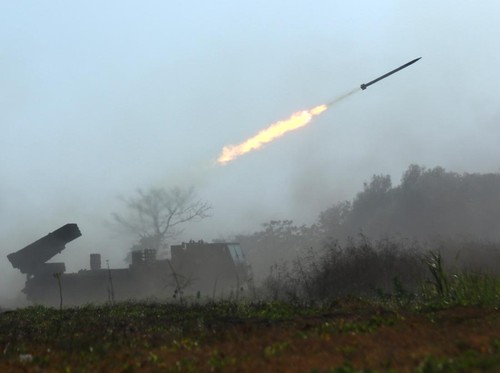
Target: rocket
[[366, 85]]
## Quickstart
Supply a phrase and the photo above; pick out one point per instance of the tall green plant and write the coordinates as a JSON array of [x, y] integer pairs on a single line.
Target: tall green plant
[[440, 280], [464, 287]]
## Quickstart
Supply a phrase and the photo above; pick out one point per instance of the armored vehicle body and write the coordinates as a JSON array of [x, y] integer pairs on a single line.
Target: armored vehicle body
[[195, 269]]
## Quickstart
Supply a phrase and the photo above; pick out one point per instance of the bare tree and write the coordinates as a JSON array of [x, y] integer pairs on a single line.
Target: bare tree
[[158, 214]]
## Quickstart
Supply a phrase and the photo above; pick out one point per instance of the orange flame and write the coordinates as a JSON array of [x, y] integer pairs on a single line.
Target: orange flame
[[275, 130]]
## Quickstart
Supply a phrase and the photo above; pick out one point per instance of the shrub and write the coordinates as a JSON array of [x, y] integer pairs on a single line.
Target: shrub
[[360, 268]]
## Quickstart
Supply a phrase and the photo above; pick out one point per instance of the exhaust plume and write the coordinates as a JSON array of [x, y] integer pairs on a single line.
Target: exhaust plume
[[297, 120]]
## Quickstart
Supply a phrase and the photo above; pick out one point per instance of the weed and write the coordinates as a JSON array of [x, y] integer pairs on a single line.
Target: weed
[[359, 268], [495, 345], [58, 278], [435, 265], [343, 326], [219, 361], [185, 364], [275, 348], [347, 368], [195, 337], [462, 288], [185, 344], [347, 351], [111, 289], [467, 362]]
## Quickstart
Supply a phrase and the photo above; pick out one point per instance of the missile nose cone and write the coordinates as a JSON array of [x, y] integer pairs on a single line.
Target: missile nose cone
[[415, 60]]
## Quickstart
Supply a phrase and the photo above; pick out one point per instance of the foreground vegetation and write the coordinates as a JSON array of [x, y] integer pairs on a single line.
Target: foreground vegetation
[[367, 306], [350, 335], [451, 325]]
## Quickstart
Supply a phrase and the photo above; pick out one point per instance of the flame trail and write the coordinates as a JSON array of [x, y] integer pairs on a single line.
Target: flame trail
[[275, 130]]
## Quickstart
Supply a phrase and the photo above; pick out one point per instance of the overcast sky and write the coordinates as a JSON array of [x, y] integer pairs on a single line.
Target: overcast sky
[[100, 98]]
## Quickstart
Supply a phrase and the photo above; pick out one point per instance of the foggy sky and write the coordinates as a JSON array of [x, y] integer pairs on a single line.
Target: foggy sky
[[98, 99]]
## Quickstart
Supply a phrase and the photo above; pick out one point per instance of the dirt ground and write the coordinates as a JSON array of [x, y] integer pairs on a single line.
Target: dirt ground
[[352, 337], [361, 339]]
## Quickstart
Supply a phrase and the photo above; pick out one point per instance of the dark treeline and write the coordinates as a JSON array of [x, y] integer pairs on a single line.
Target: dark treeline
[[428, 204], [437, 208]]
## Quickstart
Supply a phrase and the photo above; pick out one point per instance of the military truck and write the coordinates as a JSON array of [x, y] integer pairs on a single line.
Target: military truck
[[196, 269]]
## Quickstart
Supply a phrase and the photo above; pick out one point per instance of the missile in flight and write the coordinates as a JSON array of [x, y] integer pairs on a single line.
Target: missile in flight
[[366, 85]]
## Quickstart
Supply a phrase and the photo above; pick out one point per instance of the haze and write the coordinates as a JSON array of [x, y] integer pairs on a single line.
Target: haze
[[98, 99]]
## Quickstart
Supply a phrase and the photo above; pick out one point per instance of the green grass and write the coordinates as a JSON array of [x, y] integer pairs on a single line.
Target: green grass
[[130, 323], [461, 288], [133, 336], [348, 368], [470, 361]]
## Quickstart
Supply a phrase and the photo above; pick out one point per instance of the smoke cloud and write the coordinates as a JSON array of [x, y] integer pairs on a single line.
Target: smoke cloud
[[136, 96]]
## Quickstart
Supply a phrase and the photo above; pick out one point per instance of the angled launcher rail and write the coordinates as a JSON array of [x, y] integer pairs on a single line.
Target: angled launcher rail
[[32, 258]]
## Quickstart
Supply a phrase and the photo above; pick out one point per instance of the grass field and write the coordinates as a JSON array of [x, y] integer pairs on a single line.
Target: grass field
[[451, 324], [348, 335]]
